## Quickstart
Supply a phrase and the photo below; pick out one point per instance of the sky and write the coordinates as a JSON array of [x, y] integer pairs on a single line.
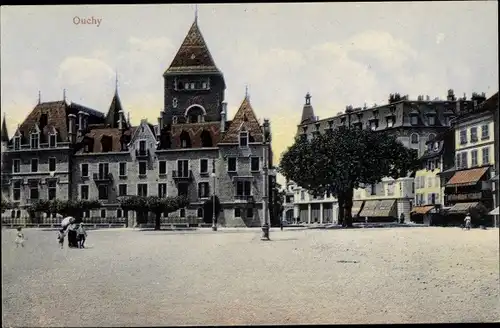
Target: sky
[[342, 53]]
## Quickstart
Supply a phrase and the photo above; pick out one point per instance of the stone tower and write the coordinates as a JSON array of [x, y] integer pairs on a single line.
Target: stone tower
[[193, 85]]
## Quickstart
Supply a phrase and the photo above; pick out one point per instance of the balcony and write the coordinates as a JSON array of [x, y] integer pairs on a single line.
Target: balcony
[[142, 153], [182, 175], [103, 177], [245, 198]]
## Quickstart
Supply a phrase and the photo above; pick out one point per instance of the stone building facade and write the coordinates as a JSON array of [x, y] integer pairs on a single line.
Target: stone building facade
[[414, 122], [192, 149]]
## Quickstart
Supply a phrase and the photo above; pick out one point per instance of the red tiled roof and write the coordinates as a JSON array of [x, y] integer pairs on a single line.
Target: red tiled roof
[[193, 55], [97, 134], [245, 116], [467, 177], [57, 115], [195, 130]]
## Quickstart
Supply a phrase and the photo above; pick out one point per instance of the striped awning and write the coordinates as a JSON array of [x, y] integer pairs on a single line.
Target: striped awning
[[356, 207], [494, 212], [384, 208], [460, 208], [422, 209], [467, 177], [369, 208]]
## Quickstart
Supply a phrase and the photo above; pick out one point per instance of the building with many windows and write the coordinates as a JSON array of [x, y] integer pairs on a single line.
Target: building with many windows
[[413, 121], [468, 183], [69, 151]]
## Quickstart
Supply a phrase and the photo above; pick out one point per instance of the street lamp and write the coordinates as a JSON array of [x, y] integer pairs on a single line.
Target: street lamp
[[265, 198], [214, 226]]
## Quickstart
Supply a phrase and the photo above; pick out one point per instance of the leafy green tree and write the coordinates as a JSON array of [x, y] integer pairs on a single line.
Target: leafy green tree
[[153, 204], [344, 159], [6, 205], [277, 207]]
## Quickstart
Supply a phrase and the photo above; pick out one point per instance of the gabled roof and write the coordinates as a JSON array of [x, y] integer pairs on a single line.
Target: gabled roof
[[97, 134], [245, 116], [57, 115], [193, 55], [5, 134], [113, 116]]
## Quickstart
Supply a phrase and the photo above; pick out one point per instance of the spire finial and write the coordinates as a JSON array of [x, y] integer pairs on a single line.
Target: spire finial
[[196, 13], [116, 81], [64, 94], [39, 97], [246, 92]]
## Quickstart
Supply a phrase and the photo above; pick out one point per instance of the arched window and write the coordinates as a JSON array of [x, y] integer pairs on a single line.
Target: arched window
[[119, 213], [185, 140], [414, 138], [13, 214], [431, 136], [206, 139], [195, 114], [200, 212], [18, 214], [182, 213]]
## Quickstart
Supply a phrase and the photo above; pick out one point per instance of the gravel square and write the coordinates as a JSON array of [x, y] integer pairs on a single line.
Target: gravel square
[[130, 277]]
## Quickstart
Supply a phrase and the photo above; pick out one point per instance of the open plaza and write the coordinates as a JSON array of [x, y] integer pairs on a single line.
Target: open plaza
[[131, 277]]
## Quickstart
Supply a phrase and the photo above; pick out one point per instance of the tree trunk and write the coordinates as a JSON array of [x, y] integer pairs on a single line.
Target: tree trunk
[[157, 221], [341, 209], [348, 208]]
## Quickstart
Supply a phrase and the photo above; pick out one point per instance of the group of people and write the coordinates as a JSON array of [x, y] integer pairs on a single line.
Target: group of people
[[76, 234]]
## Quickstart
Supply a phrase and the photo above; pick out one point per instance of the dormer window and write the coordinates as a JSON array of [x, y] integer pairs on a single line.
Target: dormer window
[[342, 121], [373, 124], [390, 122], [106, 144], [330, 124], [375, 113], [52, 140], [304, 129], [17, 143], [432, 119], [358, 125], [35, 140], [317, 127], [243, 139], [414, 119]]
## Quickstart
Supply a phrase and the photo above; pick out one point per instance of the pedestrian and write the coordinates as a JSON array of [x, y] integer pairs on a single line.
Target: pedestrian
[[467, 221], [281, 225], [60, 237], [19, 238], [72, 236], [82, 235], [402, 218]]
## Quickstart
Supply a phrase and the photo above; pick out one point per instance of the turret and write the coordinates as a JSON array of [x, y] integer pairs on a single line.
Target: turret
[[307, 111]]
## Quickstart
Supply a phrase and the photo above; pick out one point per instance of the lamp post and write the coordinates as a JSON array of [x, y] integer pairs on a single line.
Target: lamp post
[[265, 197], [214, 226]]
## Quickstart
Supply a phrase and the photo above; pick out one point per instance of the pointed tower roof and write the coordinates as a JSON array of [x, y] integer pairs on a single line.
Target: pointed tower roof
[[5, 134], [193, 56], [113, 116], [246, 119], [307, 111]]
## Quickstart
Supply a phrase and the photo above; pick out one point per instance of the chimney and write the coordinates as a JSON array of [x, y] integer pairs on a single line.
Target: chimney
[[85, 122], [451, 95], [72, 128], [458, 107], [223, 119], [80, 123], [161, 121]]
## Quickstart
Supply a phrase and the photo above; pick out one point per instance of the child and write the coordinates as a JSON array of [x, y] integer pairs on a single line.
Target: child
[[60, 237], [467, 221], [82, 235], [19, 238]]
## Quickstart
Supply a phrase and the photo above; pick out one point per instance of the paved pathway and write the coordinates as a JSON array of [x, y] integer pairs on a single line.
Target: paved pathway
[[139, 278]]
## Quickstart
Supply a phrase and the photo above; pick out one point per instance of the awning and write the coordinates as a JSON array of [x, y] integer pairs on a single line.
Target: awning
[[422, 209], [494, 212], [369, 208], [384, 208], [467, 177], [356, 207], [461, 208]]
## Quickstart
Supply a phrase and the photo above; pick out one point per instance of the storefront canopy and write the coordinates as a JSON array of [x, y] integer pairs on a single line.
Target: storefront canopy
[[467, 177], [422, 209], [378, 208], [494, 212], [356, 207], [462, 208]]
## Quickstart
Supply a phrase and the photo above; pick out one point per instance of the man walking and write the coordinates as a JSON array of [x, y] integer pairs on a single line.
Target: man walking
[[467, 221]]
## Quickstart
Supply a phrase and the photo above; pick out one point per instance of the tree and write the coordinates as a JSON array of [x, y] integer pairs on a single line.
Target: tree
[[208, 209], [153, 204], [344, 159], [6, 205], [72, 208], [278, 199]]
